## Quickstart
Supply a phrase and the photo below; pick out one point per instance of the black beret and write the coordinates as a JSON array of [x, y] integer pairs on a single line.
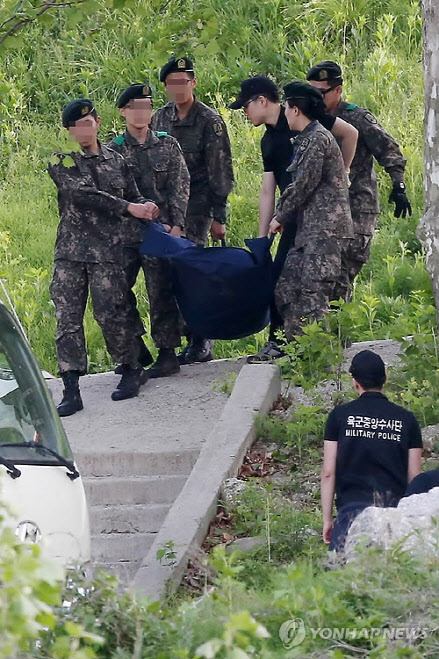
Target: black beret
[[138, 90], [256, 86], [174, 65], [77, 109], [324, 71], [297, 89], [367, 365]]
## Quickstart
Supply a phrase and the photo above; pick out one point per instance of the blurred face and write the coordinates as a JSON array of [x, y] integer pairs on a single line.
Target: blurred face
[[85, 130], [137, 113], [180, 87], [256, 110], [292, 115], [331, 94]]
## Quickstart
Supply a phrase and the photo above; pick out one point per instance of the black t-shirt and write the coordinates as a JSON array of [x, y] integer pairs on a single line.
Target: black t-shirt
[[374, 437], [423, 482], [277, 149]]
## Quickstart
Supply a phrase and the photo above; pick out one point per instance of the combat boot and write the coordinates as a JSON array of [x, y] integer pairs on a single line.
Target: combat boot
[[165, 365], [71, 401], [269, 351], [130, 383], [144, 358], [199, 350]]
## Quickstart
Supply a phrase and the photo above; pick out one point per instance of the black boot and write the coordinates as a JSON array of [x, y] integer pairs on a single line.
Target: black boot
[[71, 401], [130, 383], [165, 365], [144, 358], [198, 350]]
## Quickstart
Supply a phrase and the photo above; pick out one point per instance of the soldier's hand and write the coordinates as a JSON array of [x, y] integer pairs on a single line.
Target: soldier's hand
[[151, 210], [217, 230], [167, 227], [275, 226], [176, 231], [137, 210], [399, 198]]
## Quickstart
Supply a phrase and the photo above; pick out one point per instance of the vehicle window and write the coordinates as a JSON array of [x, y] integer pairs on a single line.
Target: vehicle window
[[27, 413]]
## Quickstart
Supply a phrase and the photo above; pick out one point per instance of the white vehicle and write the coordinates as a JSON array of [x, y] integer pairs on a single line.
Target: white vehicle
[[39, 481]]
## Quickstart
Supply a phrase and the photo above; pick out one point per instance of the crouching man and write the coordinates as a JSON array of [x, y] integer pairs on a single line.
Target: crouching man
[[95, 192], [372, 450]]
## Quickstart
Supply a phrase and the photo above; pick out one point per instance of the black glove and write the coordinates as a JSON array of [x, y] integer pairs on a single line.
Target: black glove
[[400, 199]]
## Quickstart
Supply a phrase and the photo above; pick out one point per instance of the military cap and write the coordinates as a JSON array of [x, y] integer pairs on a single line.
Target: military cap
[[174, 65], [325, 71], [367, 365], [256, 86], [138, 90], [77, 109], [297, 89]]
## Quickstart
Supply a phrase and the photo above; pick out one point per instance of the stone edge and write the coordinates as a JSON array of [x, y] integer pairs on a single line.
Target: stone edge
[[256, 388]]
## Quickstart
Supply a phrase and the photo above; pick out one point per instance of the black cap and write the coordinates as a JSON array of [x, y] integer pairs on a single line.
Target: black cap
[[174, 65], [297, 89], [138, 90], [77, 109], [256, 86], [325, 71], [368, 367]]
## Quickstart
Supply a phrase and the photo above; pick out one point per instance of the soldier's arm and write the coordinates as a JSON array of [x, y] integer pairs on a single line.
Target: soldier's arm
[[383, 146], [219, 166], [178, 183], [349, 135], [306, 176], [71, 187], [266, 202]]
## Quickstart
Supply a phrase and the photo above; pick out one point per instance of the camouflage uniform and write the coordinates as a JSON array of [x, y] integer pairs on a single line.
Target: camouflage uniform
[[319, 192], [203, 137], [161, 174], [373, 142], [93, 196]]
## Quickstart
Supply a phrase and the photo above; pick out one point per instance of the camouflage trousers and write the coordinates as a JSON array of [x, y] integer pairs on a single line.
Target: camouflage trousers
[[305, 287], [71, 283], [198, 219], [164, 313], [356, 252]]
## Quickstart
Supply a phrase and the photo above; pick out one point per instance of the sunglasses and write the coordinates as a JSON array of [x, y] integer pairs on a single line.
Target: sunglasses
[[330, 89], [245, 106]]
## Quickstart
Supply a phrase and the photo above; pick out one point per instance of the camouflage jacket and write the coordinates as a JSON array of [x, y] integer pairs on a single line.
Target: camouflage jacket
[[93, 196], [161, 175], [203, 137], [373, 142], [318, 190]]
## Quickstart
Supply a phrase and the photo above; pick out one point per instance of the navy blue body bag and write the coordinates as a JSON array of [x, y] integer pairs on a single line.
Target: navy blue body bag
[[222, 292]]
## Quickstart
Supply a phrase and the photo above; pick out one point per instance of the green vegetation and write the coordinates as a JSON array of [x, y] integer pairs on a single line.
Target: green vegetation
[[378, 45]]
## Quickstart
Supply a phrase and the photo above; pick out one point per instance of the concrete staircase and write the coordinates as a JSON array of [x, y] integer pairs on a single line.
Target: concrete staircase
[[129, 497], [136, 455]]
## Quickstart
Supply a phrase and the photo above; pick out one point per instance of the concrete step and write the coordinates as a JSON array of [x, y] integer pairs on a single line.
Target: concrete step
[[139, 463], [130, 518], [123, 570], [114, 547], [138, 490]]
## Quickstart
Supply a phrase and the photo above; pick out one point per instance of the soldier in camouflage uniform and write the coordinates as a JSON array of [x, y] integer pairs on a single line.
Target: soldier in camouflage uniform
[[96, 190], [318, 193], [203, 137], [160, 171], [373, 142]]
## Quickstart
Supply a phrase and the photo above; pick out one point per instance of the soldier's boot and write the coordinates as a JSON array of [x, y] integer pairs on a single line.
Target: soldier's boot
[[199, 350], [165, 365], [145, 358], [267, 353], [181, 357], [130, 383], [71, 400]]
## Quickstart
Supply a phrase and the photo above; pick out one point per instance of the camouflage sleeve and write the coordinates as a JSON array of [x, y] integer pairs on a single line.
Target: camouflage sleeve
[[131, 191], [383, 146], [178, 183], [219, 166], [306, 175], [71, 187]]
